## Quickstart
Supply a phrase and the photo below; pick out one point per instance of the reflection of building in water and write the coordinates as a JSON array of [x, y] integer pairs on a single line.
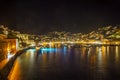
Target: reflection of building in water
[[102, 53], [107, 50], [117, 53]]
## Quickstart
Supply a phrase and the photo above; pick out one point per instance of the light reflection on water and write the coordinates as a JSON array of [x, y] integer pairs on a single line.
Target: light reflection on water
[[86, 63]]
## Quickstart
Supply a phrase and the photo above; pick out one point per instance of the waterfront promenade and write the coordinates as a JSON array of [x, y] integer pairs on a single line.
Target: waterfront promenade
[[7, 64]]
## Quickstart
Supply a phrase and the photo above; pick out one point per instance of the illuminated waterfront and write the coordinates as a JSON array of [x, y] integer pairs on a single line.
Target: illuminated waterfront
[[83, 63], [60, 40], [63, 55]]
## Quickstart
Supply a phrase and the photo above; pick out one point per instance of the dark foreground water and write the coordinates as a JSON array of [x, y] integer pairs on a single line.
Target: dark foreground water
[[93, 63]]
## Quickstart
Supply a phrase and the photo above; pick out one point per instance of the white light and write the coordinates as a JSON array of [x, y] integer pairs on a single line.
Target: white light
[[32, 45], [98, 42], [10, 55], [32, 50]]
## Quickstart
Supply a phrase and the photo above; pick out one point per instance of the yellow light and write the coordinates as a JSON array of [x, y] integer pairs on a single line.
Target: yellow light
[[8, 49], [13, 46]]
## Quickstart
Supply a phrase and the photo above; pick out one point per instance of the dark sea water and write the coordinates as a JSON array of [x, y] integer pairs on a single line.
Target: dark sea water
[[83, 63]]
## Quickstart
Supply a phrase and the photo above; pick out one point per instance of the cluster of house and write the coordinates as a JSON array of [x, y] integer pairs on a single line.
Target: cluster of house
[[11, 45]]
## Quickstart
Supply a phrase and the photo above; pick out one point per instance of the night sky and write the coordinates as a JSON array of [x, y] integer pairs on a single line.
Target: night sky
[[42, 16]]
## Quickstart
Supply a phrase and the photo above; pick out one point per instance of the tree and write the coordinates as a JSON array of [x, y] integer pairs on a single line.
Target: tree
[[12, 35], [1, 31]]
